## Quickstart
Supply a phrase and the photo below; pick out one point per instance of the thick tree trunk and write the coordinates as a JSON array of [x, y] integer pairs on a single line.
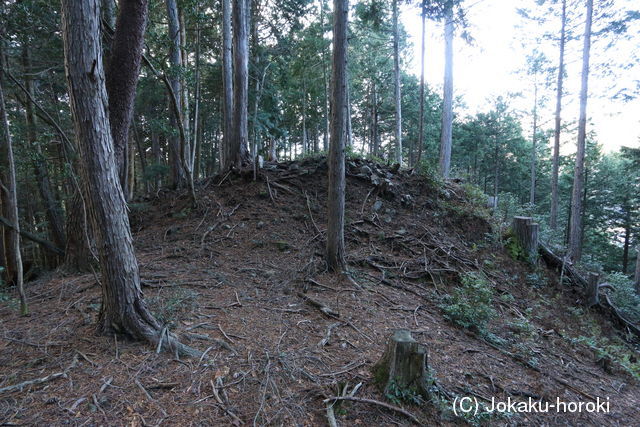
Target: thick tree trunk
[[122, 73], [227, 86], [123, 309], [396, 77], [335, 203], [10, 199], [239, 152], [447, 101], [53, 210], [423, 15], [575, 231], [553, 219]]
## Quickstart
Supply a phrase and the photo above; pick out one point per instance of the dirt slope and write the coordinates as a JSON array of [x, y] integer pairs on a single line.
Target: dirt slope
[[231, 277]]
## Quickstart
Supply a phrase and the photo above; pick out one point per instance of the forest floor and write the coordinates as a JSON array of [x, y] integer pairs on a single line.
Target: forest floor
[[235, 276]]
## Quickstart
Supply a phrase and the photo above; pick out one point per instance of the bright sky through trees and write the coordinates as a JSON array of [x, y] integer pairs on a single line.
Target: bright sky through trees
[[494, 66]]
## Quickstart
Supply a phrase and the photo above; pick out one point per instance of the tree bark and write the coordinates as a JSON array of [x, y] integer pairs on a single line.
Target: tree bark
[[526, 234], [553, 219], [10, 199], [447, 101], [122, 71], [423, 17], [123, 309], [396, 77], [227, 86], [335, 203], [8, 188], [403, 366], [239, 152], [176, 144], [325, 104], [575, 231]]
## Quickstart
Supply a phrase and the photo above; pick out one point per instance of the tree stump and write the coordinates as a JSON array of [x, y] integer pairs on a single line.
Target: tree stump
[[403, 367], [526, 234], [591, 290]]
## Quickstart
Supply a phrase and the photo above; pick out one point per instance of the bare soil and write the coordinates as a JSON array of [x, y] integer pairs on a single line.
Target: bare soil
[[233, 277]]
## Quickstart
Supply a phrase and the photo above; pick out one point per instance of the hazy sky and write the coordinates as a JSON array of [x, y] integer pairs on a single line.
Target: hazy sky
[[503, 39]]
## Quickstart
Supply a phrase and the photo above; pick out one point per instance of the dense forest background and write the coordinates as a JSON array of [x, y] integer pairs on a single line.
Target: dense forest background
[[506, 152]]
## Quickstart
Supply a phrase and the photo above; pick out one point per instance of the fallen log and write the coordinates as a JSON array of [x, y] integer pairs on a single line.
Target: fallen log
[[34, 238], [605, 304], [555, 261]]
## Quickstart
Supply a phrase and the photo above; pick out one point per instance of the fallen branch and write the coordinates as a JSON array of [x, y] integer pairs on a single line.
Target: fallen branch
[[320, 306], [33, 382], [34, 238], [48, 378], [378, 403]]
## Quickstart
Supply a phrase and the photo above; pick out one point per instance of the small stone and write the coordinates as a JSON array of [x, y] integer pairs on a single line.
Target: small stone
[[377, 205], [260, 224]]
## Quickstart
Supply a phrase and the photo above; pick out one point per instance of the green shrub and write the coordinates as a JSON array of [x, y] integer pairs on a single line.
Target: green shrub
[[471, 305], [399, 395]]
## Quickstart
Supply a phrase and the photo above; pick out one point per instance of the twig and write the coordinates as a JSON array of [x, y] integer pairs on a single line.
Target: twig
[[376, 402], [324, 341], [225, 334], [269, 188], [347, 368], [310, 214]]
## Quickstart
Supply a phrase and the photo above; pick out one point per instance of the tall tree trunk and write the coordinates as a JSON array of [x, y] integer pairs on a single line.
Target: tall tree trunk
[[421, 117], [396, 77], [227, 86], [239, 153], [195, 146], [176, 146], [575, 231], [10, 199], [53, 210], [553, 219], [374, 125], [534, 154], [348, 113], [496, 171], [184, 97], [636, 278], [304, 118], [122, 73], [335, 201], [325, 105], [123, 308], [447, 102]]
